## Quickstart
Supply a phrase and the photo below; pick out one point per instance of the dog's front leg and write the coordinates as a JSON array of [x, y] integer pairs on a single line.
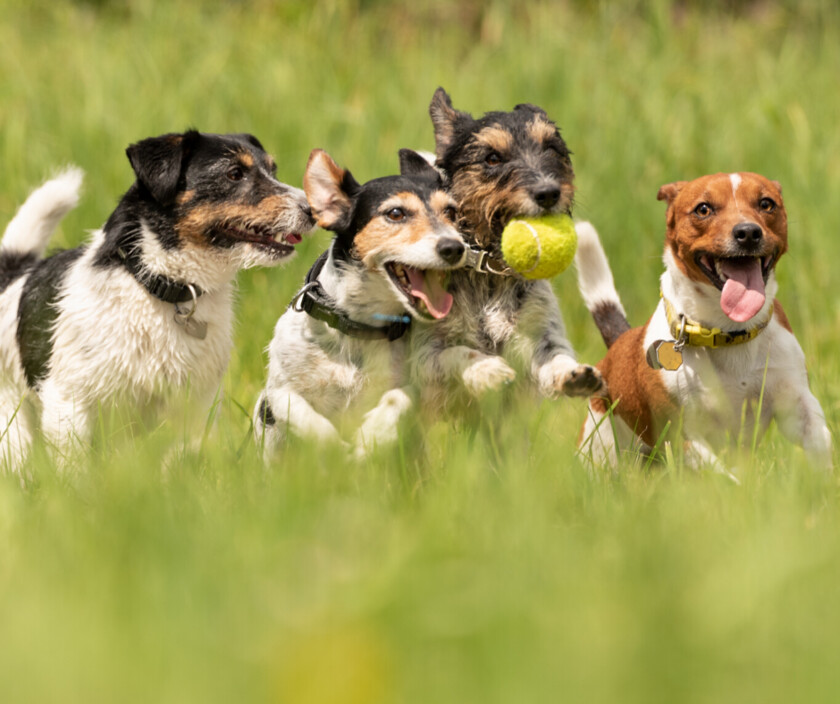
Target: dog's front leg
[[65, 422], [381, 423], [478, 372], [292, 411], [553, 363], [801, 419]]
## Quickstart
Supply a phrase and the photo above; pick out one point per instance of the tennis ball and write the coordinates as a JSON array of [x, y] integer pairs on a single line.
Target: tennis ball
[[539, 248]]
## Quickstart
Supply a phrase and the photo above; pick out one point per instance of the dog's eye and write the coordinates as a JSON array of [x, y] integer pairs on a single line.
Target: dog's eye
[[703, 210], [235, 173], [768, 205], [395, 214], [493, 159], [450, 213]]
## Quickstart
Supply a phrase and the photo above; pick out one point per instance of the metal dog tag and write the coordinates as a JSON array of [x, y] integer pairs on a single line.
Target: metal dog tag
[[663, 354], [193, 328]]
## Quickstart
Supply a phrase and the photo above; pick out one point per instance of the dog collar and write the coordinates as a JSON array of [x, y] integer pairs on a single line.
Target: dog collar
[[312, 300], [481, 261], [161, 287], [691, 333]]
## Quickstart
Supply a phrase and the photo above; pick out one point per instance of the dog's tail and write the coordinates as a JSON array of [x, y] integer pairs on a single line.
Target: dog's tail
[[595, 281], [29, 232]]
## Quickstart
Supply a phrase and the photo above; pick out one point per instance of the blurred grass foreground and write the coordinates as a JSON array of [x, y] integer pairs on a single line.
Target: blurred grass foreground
[[476, 564]]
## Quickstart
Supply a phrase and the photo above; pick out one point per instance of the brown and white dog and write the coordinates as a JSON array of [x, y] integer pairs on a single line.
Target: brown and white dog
[[718, 355]]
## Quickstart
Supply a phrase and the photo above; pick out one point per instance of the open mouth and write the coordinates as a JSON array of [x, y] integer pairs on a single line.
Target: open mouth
[[741, 281], [280, 243], [424, 289]]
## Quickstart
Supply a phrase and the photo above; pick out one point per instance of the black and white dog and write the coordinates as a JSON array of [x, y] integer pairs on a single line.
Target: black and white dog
[[341, 345], [144, 311]]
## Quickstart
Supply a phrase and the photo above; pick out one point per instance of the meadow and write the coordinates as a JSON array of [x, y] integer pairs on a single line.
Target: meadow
[[468, 564]]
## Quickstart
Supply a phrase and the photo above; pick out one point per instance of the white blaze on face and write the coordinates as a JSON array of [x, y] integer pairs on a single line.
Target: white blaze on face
[[735, 180]]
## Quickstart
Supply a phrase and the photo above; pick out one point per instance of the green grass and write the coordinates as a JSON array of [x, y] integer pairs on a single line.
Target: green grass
[[465, 565]]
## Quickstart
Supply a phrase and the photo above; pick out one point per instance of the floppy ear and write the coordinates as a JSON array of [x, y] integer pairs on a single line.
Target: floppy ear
[[444, 119], [669, 191], [157, 163], [414, 164], [330, 190]]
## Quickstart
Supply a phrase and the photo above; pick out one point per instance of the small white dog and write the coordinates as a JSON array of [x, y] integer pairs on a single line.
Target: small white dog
[[145, 309], [341, 345]]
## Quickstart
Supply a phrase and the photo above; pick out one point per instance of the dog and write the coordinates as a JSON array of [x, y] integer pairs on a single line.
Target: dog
[[144, 310], [497, 167], [341, 345], [718, 355]]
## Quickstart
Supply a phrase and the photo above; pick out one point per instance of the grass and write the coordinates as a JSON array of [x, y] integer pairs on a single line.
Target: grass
[[467, 565]]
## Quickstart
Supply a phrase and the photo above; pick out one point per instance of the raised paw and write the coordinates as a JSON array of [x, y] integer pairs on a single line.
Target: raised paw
[[583, 380], [487, 374]]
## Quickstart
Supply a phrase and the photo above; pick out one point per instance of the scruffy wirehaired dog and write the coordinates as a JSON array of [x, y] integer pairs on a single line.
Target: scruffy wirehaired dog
[[502, 165], [145, 309], [718, 356], [341, 345]]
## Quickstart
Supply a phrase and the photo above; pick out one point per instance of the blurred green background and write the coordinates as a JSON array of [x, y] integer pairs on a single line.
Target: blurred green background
[[469, 564]]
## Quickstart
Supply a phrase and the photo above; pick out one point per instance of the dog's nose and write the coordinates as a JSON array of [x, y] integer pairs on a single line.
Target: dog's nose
[[307, 211], [747, 234], [547, 197], [450, 250]]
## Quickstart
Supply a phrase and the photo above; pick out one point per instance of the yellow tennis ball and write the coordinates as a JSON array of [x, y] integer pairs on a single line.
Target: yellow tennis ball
[[539, 248]]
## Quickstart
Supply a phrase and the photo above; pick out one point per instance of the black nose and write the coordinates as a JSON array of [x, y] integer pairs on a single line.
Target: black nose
[[450, 250], [547, 197], [307, 211], [747, 234]]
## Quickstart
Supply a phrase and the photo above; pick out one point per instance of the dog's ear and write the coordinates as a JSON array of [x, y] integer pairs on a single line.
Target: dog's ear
[[532, 108], [444, 119], [414, 164], [669, 191], [330, 190], [158, 161]]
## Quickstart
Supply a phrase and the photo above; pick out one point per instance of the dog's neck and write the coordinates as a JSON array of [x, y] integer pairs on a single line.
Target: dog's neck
[[700, 302], [189, 264], [363, 295]]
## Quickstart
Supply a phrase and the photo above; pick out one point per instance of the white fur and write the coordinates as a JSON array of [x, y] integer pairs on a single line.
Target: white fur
[[713, 385], [317, 374], [30, 230], [113, 341], [594, 276]]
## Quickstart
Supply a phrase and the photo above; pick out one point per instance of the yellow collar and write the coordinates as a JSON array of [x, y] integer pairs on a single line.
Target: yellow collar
[[689, 332]]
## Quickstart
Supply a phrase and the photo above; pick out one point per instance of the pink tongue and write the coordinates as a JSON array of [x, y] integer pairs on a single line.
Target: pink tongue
[[743, 292], [294, 238], [429, 290]]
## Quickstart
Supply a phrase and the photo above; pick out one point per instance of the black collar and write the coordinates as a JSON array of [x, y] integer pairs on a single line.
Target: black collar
[[312, 300], [161, 287]]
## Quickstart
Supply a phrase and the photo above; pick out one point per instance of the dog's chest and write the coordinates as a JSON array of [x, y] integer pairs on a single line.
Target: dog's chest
[[112, 337], [485, 313]]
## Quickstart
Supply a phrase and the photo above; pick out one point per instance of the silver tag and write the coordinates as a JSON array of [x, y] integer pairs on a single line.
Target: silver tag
[[193, 328]]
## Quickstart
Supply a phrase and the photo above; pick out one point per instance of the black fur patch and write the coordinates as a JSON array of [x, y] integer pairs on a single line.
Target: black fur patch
[[610, 322], [13, 265], [265, 413], [37, 313]]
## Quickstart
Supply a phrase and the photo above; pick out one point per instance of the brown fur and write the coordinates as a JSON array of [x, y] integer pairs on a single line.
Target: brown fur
[[379, 233], [689, 233], [643, 402], [199, 221]]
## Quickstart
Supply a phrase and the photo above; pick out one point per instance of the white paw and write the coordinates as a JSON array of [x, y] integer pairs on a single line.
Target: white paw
[[583, 380], [380, 426], [487, 374]]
